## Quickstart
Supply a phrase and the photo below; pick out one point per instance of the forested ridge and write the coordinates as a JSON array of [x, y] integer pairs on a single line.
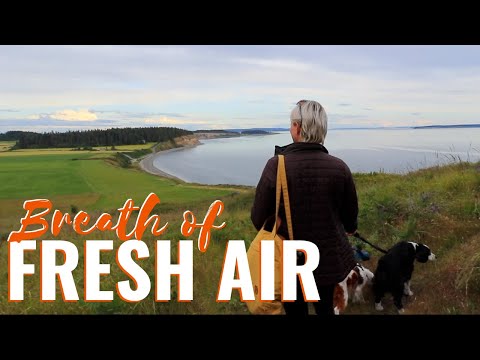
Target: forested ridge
[[90, 138]]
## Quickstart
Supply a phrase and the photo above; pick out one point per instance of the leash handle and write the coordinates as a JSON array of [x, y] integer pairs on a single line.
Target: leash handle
[[358, 236]]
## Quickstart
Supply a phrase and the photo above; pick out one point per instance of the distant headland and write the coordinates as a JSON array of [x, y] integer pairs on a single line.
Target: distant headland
[[447, 126]]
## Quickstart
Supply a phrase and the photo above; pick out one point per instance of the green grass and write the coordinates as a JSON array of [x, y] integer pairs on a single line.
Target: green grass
[[88, 181], [41, 176], [97, 184], [6, 145], [138, 153], [126, 147], [114, 183], [436, 206], [50, 151]]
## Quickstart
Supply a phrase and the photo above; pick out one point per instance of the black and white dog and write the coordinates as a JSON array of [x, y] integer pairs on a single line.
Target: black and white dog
[[394, 271]]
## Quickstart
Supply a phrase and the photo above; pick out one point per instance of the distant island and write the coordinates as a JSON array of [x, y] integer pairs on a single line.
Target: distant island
[[214, 134], [260, 130], [255, 132], [447, 126], [409, 127], [210, 134]]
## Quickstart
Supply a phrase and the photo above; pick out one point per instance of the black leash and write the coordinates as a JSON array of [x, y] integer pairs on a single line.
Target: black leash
[[358, 236]]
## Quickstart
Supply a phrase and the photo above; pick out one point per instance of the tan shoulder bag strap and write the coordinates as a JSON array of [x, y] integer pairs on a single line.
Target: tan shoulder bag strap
[[278, 187], [286, 200]]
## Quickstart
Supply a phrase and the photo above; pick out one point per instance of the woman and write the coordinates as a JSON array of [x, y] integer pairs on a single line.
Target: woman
[[323, 198]]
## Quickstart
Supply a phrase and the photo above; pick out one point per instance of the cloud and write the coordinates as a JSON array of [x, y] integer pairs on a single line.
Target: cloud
[[153, 114], [43, 124], [357, 121], [164, 120], [282, 64], [141, 115], [66, 115], [344, 116], [104, 111], [222, 85], [73, 115]]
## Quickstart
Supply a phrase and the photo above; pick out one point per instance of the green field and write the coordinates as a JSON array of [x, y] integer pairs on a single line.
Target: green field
[[126, 147], [439, 207], [93, 182], [6, 145], [87, 180]]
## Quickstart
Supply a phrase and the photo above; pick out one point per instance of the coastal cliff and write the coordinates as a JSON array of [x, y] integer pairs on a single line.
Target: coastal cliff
[[187, 141], [180, 141]]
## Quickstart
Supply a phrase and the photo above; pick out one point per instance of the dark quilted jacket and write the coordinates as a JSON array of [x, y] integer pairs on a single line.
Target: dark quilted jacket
[[323, 202]]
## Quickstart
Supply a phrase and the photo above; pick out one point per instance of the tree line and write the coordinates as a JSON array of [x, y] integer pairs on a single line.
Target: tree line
[[13, 135], [91, 138]]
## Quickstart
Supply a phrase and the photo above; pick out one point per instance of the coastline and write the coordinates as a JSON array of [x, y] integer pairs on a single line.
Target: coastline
[[185, 142], [146, 163]]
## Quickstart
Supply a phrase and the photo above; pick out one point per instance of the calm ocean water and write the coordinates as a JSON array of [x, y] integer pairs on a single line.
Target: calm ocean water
[[241, 160]]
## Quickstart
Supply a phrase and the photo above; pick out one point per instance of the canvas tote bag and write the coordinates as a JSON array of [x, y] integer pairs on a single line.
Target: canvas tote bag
[[272, 307]]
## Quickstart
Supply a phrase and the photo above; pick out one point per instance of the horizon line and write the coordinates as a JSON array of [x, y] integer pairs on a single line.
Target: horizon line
[[278, 128]]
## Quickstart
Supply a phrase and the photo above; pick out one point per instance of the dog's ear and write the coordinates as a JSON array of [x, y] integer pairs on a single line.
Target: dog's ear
[[410, 248], [359, 271]]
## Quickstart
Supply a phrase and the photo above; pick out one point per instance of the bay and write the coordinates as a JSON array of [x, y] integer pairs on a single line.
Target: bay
[[240, 160]]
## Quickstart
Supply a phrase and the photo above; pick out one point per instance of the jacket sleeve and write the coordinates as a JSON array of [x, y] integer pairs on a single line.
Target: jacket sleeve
[[264, 203], [349, 212]]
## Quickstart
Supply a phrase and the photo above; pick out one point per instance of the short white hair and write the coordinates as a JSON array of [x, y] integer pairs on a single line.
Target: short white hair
[[313, 120]]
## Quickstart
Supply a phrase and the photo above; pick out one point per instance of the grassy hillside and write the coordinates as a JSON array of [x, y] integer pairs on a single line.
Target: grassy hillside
[[86, 180], [439, 207]]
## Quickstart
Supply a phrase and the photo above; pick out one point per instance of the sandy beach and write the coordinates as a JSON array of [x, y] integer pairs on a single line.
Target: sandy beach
[[146, 164], [185, 142]]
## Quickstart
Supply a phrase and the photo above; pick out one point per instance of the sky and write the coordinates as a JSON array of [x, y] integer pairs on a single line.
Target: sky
[[60, 88]]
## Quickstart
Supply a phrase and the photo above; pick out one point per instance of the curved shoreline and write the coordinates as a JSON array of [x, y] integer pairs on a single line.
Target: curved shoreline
[[146, 164]]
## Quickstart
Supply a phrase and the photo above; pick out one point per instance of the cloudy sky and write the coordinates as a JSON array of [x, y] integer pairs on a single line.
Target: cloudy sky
[[60, 88]]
